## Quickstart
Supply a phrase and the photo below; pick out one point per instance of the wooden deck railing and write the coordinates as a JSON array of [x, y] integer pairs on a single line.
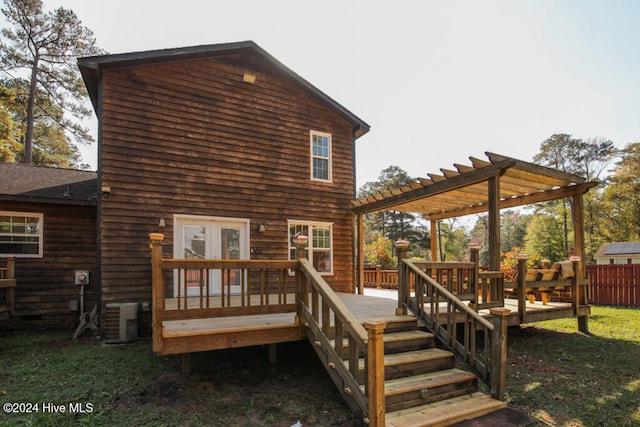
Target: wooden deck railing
[[445, 314], [376, 278], [332, 325], [7, 286], [269, 287], [577, 287], [246, 287], [457, 326]]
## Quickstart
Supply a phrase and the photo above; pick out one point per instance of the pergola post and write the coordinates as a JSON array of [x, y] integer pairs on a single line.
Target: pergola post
[[578, 243], [434, 240], [493, 185], [360, 250]]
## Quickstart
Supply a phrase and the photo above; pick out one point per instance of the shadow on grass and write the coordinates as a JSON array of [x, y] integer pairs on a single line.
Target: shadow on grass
[[569, 379]]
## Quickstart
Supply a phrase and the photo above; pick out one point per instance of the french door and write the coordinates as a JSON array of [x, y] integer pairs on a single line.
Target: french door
[[211, 238]]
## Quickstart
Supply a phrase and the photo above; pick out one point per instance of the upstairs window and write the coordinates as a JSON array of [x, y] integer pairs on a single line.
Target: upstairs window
[[21, 234], [320, 156]]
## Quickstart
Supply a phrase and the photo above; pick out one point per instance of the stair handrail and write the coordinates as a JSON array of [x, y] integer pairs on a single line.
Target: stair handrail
[[489, 363], [366, 398]]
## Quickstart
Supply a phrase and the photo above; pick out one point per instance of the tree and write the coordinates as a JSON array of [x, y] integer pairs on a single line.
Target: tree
[[8, 127], [46, 46], [623, 197], [545, 236], [394, 225], [587, 159], [513, 228]]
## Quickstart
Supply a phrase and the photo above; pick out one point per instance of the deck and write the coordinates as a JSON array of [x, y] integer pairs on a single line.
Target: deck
[[202, 334]]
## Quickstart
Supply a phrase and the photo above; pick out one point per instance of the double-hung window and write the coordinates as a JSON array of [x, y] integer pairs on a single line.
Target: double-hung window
[[320, 156], [319, 246], [21, 234]]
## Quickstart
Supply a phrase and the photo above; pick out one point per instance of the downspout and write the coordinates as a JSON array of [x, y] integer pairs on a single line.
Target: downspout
[[99, 208]]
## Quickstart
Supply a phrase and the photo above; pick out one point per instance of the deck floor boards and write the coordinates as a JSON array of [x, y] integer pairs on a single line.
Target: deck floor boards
[[374, 305]]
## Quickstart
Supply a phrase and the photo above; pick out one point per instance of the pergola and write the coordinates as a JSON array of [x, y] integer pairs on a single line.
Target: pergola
[[484, 186]]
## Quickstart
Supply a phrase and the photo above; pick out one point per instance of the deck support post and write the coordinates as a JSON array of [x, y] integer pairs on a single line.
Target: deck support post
[[522, 289], [186, 363], [157, 287], [403, 282], [499, 352], [375, 372], [273, 353]]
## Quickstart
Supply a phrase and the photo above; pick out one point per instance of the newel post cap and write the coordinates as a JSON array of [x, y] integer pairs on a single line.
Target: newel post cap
[[156, 237], [301, 240], [402, 244]]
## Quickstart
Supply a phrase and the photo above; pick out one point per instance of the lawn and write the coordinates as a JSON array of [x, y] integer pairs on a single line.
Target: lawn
[[556, 375], [563, 378]]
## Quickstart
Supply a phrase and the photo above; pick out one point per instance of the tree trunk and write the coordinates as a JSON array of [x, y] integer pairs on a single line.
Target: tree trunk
[[28, 138]]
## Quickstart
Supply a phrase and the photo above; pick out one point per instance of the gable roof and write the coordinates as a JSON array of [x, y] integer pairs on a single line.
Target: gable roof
[[247, 53], [464, 191], [28, 183], [618, 249]]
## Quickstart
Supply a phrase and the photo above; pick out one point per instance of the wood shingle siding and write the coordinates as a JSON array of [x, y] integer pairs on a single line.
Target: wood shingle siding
[[46, 285], [192, 138]]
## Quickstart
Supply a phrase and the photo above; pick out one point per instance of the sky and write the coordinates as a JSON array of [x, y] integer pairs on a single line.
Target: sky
[[437, 81]]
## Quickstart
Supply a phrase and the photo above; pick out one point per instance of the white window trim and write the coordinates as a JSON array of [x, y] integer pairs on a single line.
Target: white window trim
[[330, 158], [40, 217], [311, 224]]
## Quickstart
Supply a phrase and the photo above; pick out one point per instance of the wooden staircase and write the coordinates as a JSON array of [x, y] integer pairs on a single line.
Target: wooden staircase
[[422, 386]]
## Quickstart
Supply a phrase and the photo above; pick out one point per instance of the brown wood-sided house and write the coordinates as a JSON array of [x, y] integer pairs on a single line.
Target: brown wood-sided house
[[226, 152], [48, 223]]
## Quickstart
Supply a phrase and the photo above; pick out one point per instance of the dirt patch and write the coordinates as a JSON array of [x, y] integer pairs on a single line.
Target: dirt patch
[[240, 387]]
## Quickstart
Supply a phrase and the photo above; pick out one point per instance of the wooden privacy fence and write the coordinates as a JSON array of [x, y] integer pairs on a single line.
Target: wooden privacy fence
[[614, 284]]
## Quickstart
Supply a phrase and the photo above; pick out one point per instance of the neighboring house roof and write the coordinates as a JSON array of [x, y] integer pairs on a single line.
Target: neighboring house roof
[[245, 53], [27, 183], [618, 249]]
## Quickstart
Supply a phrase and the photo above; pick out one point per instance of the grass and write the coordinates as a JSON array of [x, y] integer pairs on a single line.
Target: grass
[[130, 385], [564, 378], [556, 375]]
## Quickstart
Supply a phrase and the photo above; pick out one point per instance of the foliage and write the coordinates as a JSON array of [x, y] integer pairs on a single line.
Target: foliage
[[509, 263], [381, 253], [394, 225], [545, 236], [45, 46], [622, 197], [588, 159], [9, 131], [513, 228], [453, 241]]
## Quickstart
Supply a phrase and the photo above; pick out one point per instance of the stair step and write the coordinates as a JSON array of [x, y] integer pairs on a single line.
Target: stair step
[[417, 390], [399, 323], [395, 342], [410, 363], [445, 412], [417, 362]]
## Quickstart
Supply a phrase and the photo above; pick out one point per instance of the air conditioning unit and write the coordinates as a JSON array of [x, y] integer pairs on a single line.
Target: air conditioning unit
[[121, 322]]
